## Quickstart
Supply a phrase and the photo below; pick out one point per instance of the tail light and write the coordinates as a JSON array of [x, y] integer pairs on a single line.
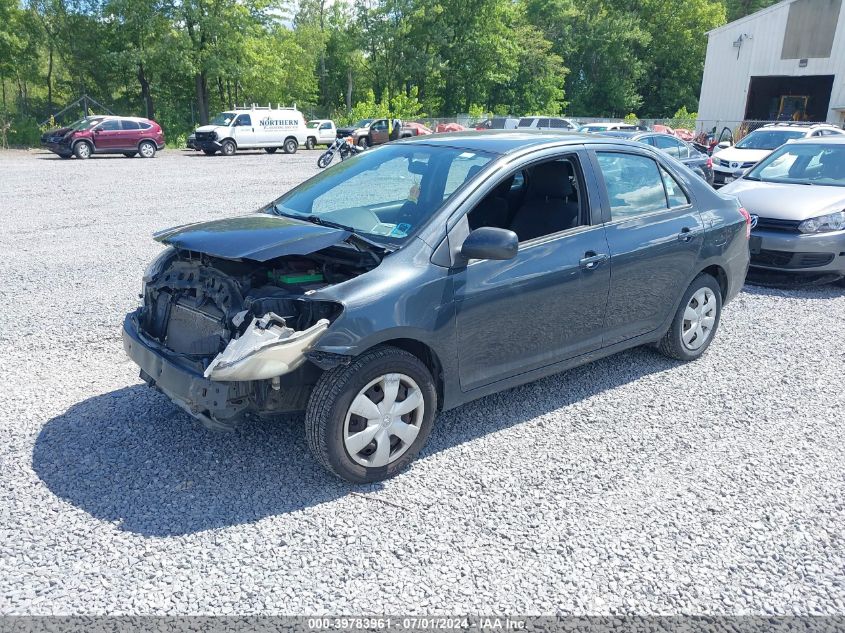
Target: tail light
[[709, 163], [747, 217]]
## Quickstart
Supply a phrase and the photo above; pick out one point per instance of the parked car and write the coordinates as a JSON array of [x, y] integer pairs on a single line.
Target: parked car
[[798, 231], [730, 161], [498, 123], [320, 132], [423, 274], [441, 128], [698, 161], [598, 128], [372, 132], [130, 136], [412, 128], [546, 123], [256, 127]]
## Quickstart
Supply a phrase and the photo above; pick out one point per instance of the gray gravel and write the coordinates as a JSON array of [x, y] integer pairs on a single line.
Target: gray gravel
[[634, 485]]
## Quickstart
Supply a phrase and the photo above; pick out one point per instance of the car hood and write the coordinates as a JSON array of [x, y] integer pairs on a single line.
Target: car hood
[[736, 155], [259, 237], [786, 202], [209, 128]]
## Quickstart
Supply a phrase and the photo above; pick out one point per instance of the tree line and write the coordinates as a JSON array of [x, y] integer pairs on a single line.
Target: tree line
[[180, 61]]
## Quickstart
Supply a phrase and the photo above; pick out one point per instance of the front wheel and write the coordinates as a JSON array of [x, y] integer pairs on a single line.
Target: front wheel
[[363, 142], [82, 150], [324, 160], [291, 146], [228, 148], [695, 322], [368, 420]]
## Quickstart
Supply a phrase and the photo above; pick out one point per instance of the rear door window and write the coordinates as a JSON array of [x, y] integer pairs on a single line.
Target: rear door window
[[634, 184], [543, 123], [130, 125], [668, 145]]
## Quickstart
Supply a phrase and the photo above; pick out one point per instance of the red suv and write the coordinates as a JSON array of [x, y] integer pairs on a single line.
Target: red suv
[[129, 136]]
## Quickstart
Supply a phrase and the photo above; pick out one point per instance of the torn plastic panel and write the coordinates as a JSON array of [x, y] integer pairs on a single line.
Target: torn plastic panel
[[266, 349]]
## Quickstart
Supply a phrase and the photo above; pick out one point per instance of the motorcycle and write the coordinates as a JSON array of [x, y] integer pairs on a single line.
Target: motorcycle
[[343, 146]]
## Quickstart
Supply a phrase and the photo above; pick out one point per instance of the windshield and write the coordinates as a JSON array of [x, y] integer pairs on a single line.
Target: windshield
[[768, 139], [803, 164], [593, 127], [224, 118], [363, 123], [85, 124], [387, 193]]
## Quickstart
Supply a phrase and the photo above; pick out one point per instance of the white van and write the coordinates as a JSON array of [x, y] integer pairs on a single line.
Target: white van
[[253, 128]]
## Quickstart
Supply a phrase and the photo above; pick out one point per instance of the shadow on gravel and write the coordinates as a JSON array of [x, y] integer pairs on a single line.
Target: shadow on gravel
[[130, 456]]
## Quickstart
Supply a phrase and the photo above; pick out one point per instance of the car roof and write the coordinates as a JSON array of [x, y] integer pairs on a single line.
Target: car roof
[[836, 139], [506, 141]]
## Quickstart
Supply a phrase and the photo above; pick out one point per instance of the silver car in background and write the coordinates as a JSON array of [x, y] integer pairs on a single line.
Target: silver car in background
[[796, 198]]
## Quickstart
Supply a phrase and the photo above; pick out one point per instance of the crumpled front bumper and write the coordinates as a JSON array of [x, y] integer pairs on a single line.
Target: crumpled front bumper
[[208, 400]]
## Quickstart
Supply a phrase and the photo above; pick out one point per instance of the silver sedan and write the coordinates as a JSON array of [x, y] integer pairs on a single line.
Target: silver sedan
[[796, 198]]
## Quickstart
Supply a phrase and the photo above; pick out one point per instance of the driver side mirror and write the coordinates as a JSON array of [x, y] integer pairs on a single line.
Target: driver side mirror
[[489, 242]]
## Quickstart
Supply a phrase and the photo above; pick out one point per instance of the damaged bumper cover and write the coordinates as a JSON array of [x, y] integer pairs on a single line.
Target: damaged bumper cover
[[220, 395], [267, 349]]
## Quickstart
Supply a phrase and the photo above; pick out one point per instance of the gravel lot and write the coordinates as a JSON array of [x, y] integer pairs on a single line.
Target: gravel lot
[[633, 485]]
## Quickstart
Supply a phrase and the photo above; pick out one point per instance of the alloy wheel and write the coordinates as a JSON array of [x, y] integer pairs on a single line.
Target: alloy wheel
[[147, 150], [383, 420], [699, 319]]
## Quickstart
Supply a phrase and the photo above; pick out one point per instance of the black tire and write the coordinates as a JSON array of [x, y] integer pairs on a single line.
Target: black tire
[[228, 147], [83, 150], [290, 146], [325, 416], [324, 160], [147, 149], [209, 152], [672, 343], [310, 143], [363, 142], [130, 154], [270, 150]]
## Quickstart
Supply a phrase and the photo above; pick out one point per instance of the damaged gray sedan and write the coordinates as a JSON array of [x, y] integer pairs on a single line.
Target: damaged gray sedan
[[426, 273]]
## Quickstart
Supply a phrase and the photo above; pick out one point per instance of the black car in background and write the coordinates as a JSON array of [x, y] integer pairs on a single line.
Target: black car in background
[[426, 273], [698, 161]]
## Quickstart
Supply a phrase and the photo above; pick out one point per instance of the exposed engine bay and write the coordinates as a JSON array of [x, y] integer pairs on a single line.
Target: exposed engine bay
[[244, 320]]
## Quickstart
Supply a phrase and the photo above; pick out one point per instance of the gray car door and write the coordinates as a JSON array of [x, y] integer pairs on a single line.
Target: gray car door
[[654, 233], [545, 305]]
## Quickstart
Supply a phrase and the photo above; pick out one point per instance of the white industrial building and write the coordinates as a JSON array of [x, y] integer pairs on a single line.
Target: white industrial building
[[786, 62]]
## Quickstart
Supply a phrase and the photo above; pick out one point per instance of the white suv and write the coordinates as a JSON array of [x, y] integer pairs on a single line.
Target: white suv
[[731, 161], [546, 123]]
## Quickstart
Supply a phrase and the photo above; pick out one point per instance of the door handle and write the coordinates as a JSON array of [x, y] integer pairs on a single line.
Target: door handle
[[592, 260], [687, 234]]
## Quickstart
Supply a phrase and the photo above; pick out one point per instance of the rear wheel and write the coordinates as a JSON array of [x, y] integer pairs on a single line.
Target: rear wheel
[[695, 322], [368, 420], [310, 143], [130, 154], [291, 146], [228, 148], [82, 150], [147, 149], [270, 150]]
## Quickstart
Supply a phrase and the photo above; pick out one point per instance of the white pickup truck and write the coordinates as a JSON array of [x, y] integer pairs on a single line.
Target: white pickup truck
[[320, 132]]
